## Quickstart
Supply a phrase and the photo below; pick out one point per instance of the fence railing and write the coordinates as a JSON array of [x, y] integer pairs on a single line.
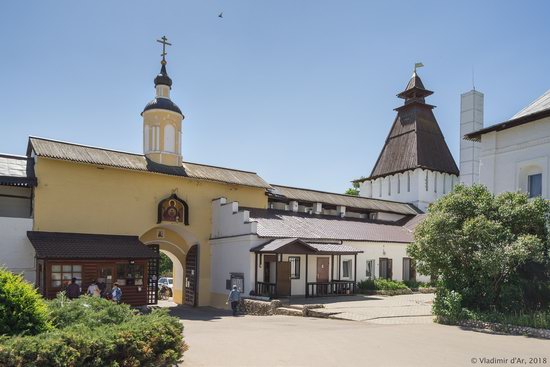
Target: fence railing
[[334, 288], [266, 289]]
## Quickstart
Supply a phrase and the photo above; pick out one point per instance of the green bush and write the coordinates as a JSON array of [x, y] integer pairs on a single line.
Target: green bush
[[536, 319], [447, 306], [381, 285], [88, 311], [91, 331], [149, 340], [22, 309]]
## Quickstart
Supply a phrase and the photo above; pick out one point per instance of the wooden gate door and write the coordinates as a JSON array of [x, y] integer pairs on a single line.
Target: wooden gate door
[[191, 276], [283, 278], [322, 275], [152, 277]]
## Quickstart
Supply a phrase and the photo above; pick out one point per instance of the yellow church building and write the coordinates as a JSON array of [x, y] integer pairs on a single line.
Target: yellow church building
[[75, 211]]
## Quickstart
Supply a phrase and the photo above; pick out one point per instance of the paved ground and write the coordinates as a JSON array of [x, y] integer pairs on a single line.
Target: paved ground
[[410, 308], [218, 339]]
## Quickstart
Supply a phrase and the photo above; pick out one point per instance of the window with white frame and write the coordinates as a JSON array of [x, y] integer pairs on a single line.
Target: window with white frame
[[346, 269], [534, 185], [294, 267], [370, 272]]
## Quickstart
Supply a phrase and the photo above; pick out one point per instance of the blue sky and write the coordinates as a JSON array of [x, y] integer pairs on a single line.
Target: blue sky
[[301, 92]]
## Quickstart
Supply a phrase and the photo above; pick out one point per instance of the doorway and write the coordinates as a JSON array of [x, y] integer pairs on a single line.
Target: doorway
[[191, 276], [322, 275], [283, 278]]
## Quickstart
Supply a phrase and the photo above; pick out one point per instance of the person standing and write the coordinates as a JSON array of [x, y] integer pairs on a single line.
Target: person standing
[[116, 293], [73, 289], [234, 298], [93, 290]]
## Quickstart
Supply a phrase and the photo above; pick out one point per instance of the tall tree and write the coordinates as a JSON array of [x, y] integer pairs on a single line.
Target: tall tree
[[479, 243]]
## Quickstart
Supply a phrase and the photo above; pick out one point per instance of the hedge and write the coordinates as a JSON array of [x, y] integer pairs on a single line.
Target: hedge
[[148, 340], [22, 309]]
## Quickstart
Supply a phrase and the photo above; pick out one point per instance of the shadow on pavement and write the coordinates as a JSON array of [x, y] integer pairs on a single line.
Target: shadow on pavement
[[198, 313]]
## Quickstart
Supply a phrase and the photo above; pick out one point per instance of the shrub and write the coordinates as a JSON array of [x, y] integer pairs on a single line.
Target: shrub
[[537, 319], [89, 311], [381, 285], [478, 243], [149, 340], [22, 309], [447, 306]]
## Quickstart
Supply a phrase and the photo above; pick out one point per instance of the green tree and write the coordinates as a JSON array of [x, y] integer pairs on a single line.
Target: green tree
[[165, 265], [22, 309], [354, 189], [481, 244]]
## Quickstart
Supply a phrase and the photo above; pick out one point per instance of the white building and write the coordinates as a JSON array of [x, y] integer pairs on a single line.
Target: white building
[[415, 165], [16, 209], [326, 242], [515, 154]]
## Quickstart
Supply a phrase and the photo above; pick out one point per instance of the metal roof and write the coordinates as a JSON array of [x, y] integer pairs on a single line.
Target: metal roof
[[106, 157], [349, 201], [540, 104], [299, 246], [286, 224], [16, 171], [537, 110], [58, 245]]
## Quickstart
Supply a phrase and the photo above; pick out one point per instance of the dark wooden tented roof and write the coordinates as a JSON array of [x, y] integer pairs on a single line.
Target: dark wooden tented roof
[[58, 245], [415, 139]]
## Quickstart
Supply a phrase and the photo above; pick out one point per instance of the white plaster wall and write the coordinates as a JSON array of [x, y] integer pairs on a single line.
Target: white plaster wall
[[232, 255], [471, 119], [376, 250], [227, 220], [507, 157], [16, 251], [396, 187]]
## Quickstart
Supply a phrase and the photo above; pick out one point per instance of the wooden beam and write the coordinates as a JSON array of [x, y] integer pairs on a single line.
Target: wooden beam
[[255, 272], [307, 288], [355, 269]]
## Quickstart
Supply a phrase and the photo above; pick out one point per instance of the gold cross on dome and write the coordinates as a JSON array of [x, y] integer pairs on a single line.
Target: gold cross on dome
[[164, 42]]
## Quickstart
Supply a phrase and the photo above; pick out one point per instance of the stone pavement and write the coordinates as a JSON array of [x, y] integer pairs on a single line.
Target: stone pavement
[[409, 308], [217, 339]]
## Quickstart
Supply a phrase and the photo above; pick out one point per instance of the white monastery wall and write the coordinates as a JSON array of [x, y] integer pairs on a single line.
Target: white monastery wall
[[16, 251], [375, 251], [419, 187], [509, 156]]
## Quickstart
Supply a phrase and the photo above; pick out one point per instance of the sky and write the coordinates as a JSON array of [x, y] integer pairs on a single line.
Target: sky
[[301, 92]]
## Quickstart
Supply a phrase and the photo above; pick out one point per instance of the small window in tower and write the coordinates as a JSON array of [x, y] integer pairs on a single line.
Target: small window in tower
[[426, 181], [444, 183], [380, 187], [389, 186], [408, 182], [170, 138], [398, 183], [435, 182]]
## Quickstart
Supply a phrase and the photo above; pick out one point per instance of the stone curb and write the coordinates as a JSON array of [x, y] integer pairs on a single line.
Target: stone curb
[[494, 327]]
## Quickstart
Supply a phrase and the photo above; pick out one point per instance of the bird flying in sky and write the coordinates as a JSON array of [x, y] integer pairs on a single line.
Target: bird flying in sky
[[220, 15]]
